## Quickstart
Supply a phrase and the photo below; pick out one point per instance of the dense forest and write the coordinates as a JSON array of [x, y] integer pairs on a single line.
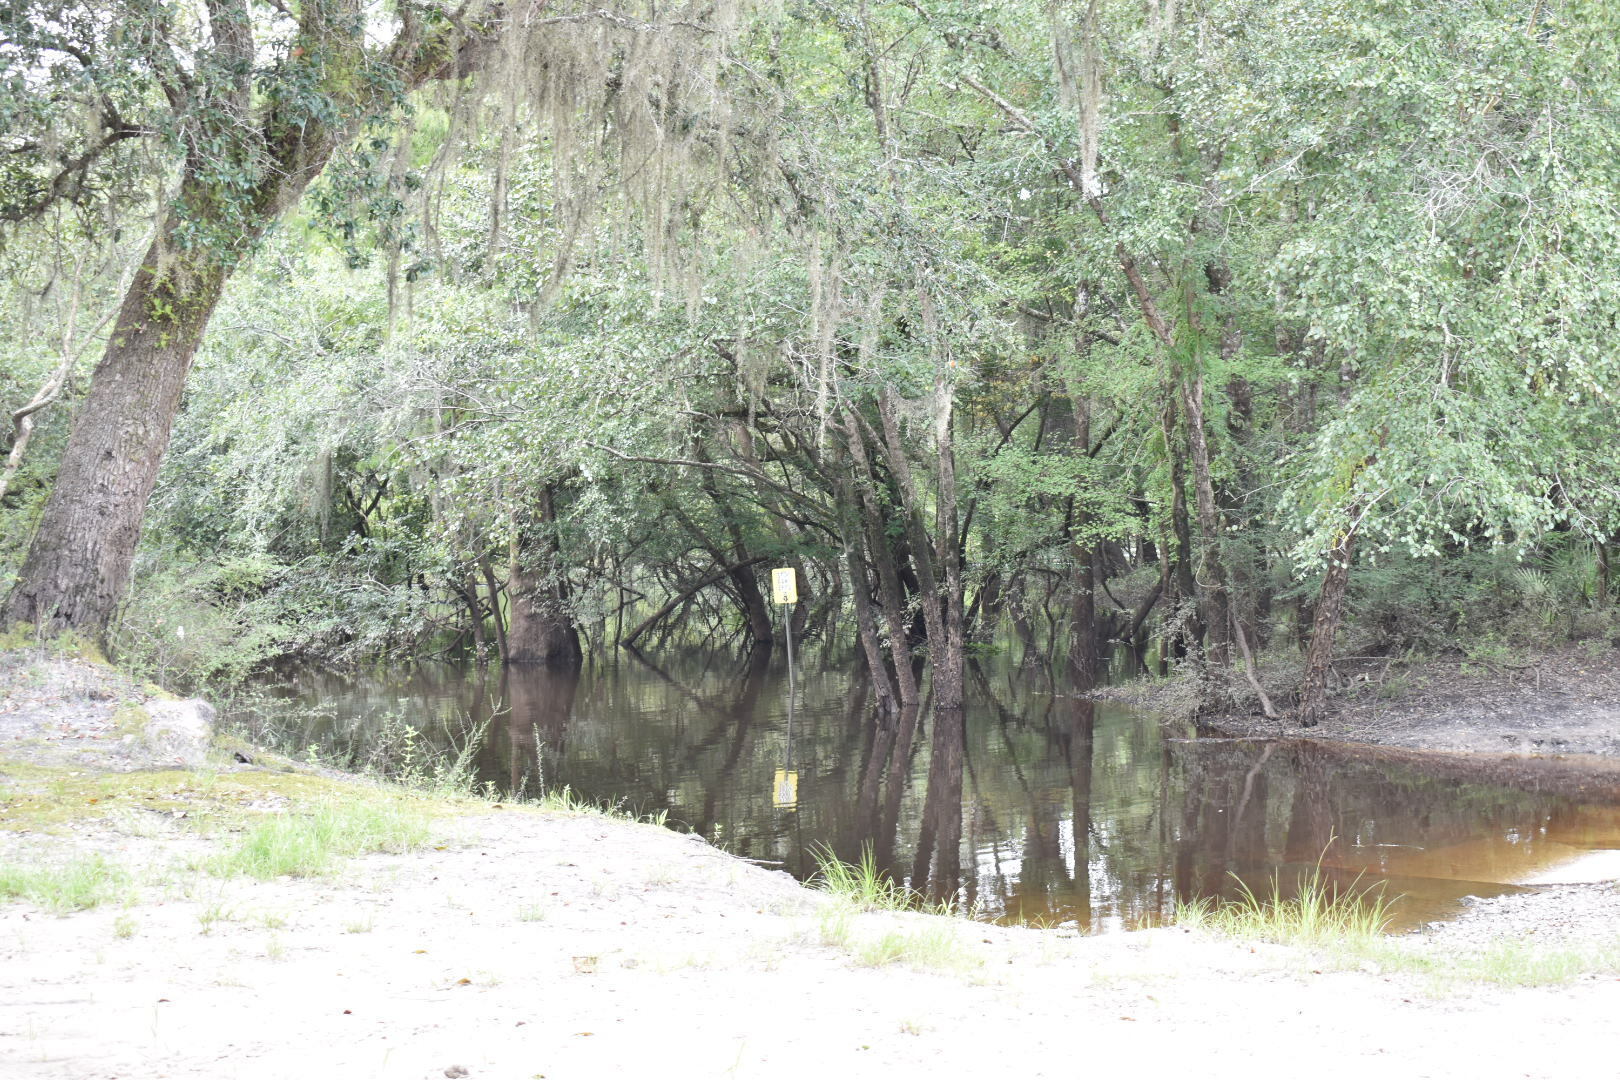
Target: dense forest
[[1209, 336]]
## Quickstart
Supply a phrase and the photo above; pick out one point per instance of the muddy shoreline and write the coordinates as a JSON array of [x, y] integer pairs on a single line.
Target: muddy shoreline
[[1550, 721]]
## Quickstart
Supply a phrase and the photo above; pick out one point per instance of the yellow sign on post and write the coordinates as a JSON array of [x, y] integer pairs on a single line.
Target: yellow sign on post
[[785, 789], [785, 586]]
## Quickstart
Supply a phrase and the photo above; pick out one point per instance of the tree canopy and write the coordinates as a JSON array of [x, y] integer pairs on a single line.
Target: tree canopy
[[1195, 328]]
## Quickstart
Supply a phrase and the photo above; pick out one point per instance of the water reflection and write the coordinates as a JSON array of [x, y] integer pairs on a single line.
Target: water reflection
[[1027, 803]]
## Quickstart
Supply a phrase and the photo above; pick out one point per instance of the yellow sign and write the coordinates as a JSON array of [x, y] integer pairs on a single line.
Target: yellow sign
[[785, 586], [785, 789]]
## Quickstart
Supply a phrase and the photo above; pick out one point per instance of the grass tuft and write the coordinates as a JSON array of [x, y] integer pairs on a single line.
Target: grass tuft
[[858, 888], [305, 844], [73, 886], [932, 948], [1504, 963], [1318, 913], [861, 884], [565, 800]]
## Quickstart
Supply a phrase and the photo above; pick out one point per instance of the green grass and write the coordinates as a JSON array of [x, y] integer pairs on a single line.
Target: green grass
[[1513, 963], [1345, 928], [935, 947], [307, 843], [73, 886], [862, 886], [213, 912], [1318, 913], [565, 800], [835, 924]]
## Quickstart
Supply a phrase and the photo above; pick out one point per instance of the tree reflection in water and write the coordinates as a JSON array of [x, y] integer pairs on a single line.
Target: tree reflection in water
[[1034, 804]]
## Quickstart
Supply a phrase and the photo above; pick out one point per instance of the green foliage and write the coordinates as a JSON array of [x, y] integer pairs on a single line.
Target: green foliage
[[1315, 912], [1502, 963], [861, 886], [71, 886], [936, 947], [608, 332], [189, 624], [306, 843]]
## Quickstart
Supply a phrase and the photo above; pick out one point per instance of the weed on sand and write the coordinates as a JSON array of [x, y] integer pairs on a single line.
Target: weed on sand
[[936, 947], [72, 886], [858, 889], [305, 844], [1449, 969]]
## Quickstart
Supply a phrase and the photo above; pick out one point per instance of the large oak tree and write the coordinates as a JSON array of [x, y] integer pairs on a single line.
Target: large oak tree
[[252, 99]]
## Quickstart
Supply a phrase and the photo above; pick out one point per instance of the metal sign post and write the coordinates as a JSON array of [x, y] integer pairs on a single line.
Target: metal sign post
[[785, 591]]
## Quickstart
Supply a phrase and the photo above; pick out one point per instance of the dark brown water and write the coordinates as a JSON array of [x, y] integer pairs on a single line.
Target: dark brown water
[[1032, 804]]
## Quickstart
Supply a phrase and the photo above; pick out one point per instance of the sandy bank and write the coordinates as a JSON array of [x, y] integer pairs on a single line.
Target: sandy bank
[[1563, 703], [521, 944]]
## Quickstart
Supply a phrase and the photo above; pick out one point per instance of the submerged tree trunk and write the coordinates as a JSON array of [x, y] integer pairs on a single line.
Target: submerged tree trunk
[[468, 592], [494, 604], [941, 602], [541, 629], [866, 631], [884, 561], [1083, 575]]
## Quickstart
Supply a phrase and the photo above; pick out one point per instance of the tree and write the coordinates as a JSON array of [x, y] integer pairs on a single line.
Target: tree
[[258, 100], [242, 104]]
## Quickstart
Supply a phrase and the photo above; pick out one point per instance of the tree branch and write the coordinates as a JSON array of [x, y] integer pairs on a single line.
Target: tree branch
[[71, 177]]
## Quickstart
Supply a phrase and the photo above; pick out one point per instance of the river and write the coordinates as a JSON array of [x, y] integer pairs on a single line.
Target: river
[[1033, 805]]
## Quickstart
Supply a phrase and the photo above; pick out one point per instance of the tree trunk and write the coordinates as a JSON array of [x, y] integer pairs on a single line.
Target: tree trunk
[[23, 419], [1602, 574], [1329, 609], [950, 665], [1133, 631], [475, 614], [866, 630], [761, 627], [541, 631], [1179, 584], [541, 628], [78, 564], [1217, 620], [1083, 575], [79, 561], [884, 562], [941, 610], [494, 604]]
